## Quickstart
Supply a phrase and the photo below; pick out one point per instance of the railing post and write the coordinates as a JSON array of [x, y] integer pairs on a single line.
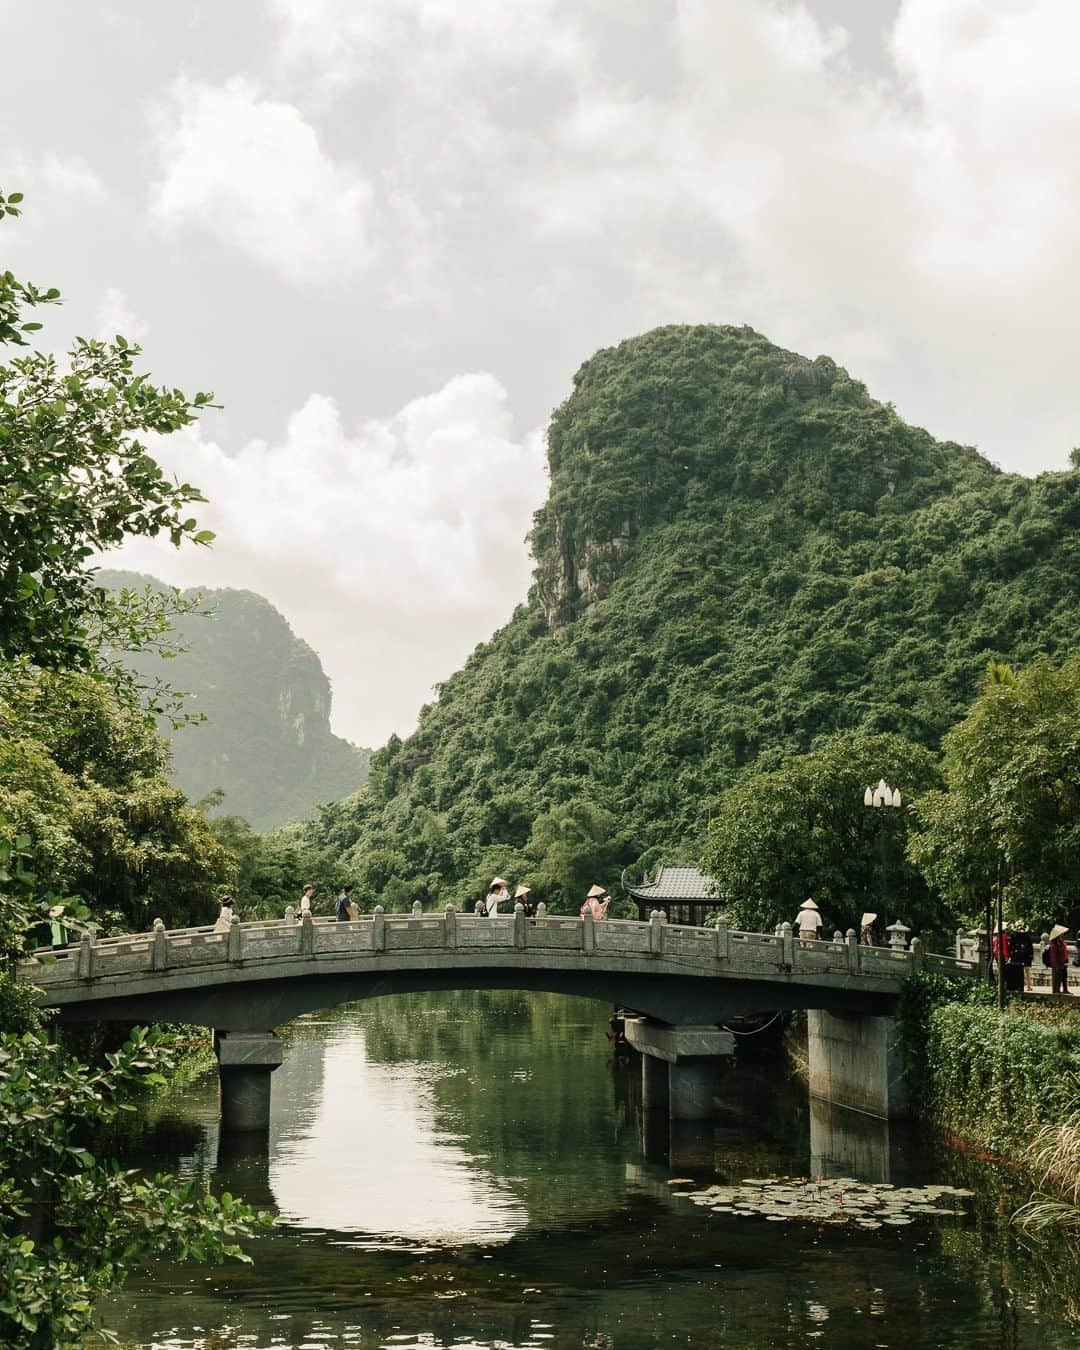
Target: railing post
[[656, 933], [787, 946], [290, 914], [449, 927], [723, 942], [916, 955], [520, 926], [588, 932], [233, 941], [159, 947], [960, 944], [417, 908], [837, 935], [379, 929], [852, 950], [85, 967], [541, 910], [307, 934]]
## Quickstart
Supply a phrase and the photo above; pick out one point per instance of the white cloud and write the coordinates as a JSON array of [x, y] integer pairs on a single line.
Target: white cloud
[[115, 315], [51, 179], [393, 550], [252, 172]]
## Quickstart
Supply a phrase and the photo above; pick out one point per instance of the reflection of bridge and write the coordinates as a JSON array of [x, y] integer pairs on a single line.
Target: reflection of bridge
[[682, 982]]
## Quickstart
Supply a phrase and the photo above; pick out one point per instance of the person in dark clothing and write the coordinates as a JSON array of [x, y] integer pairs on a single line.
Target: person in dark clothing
[[1022, 950], [344, 905], [1057, 958]]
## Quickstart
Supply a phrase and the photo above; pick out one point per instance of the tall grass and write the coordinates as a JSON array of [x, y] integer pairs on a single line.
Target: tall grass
[[1054, 1157]]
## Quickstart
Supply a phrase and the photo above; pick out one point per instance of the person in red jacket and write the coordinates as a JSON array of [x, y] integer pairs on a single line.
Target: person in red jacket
[[1057, 958]]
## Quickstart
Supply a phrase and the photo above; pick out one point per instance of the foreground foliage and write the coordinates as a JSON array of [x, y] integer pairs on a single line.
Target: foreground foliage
[[83, 800], [70, 1224]]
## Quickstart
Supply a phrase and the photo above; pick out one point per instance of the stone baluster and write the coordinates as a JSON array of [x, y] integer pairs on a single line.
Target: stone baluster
[[541, 910], [520, 926], [85, 963], [837, 936], [588, 932], [916, 955], [656, 933], [723, 940], [853, 955], [159, 947], [290, 914], [960, 935], [449, 927], [307, 934], [234, 941], [379, 929], [787, 946], [417, 908]]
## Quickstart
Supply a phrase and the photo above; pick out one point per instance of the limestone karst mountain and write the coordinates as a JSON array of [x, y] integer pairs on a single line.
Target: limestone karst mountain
[[742, 552], [266, 741]]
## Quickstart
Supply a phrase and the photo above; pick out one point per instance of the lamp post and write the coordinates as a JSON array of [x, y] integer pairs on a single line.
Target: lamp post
[[882, 796]]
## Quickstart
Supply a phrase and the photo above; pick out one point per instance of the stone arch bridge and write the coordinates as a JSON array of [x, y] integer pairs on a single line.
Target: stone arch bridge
[[679, 983]]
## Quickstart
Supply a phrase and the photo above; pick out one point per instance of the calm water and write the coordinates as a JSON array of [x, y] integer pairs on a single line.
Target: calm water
[[466, 1170]]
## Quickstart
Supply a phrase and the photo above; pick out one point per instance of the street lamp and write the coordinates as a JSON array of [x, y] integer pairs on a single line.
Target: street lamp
[[882, 796]]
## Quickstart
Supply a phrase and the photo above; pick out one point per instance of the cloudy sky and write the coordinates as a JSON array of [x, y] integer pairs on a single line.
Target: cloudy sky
[[387, 233]]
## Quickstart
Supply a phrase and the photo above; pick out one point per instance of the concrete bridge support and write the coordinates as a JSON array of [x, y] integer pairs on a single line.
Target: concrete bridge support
[[678, 1066], [246, 1059], [857, 1062]]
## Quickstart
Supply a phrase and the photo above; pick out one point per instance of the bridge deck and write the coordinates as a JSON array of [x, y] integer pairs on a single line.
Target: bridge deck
[[138, 963]]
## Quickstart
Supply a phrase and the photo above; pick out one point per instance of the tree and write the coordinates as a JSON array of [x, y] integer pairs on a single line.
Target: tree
[[1011, 808], [75, 478], [803, 830], [84, 775]]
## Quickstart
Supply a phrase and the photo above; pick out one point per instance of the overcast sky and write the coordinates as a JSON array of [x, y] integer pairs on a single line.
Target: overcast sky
[[387, 233]]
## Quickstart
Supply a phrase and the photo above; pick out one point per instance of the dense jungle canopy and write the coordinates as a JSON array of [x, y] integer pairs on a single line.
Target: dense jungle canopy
[[742, 555]]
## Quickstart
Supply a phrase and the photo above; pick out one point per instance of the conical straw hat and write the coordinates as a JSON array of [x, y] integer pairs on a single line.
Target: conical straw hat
[[521, 890], [596, 891], [496, 881], [866, 920], [1058, 930], [808, 904]]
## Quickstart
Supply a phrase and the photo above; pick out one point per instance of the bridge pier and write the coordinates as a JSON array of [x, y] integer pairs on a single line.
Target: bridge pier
[[678, 1066], [246, 1059], [857, 1062]]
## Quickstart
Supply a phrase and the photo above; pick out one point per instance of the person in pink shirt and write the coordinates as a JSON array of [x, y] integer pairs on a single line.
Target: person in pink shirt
[[596, 903]]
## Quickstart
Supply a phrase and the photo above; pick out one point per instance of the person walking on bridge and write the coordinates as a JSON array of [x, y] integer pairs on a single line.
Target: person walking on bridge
[[498, 891], [1056, 957], [808, 920], [868, 930], [345, 905], [306, 897], [596, 903], [522, 893]]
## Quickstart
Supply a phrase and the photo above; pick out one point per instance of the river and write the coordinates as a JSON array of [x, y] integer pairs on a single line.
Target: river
[[466, 1170]]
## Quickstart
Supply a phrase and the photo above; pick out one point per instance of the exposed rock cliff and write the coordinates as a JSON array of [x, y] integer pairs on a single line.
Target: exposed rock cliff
[[266, 741]]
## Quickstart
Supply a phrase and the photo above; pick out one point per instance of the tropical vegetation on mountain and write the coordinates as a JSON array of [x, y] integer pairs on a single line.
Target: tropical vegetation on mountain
[[258, 702], [743, 555]]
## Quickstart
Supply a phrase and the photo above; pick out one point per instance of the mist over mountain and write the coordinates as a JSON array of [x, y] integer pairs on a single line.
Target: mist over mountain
[[266, 741], [741, 553]]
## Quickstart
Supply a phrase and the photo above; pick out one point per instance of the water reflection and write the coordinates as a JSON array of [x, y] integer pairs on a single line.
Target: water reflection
[[371, 1155], [466, 1170]]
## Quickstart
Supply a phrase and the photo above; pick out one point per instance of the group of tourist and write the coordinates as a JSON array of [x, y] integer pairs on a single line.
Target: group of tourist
[[595, 903], [808, 921], [1013, 950]]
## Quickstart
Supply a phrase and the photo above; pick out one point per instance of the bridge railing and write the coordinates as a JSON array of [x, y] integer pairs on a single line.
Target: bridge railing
[[698, 950]]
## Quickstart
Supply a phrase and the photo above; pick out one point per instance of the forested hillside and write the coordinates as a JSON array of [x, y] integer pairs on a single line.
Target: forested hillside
[[266, 740], [741, 553]]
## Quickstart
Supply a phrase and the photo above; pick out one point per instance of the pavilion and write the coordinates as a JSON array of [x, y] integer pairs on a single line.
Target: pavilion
[[685, 894]]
